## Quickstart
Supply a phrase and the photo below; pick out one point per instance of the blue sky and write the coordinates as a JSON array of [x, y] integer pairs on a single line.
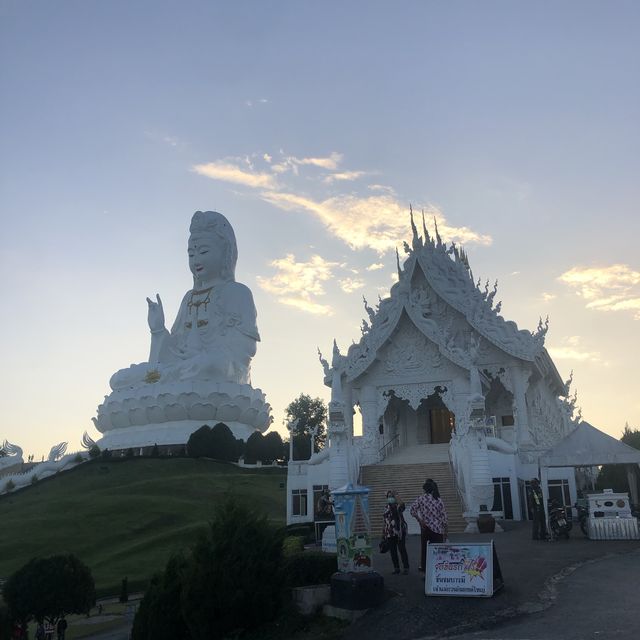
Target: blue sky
[[311, 126]]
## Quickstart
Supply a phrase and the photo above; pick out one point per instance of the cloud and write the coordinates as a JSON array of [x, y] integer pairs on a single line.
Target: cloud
[[349, 285], [297, 284], [378, 222], [547, 297], [381, 187], [375, 266], [229, 172], [331, 162], [250, 103], [157, 136], [344, 176], [571, 349], [612, 288]]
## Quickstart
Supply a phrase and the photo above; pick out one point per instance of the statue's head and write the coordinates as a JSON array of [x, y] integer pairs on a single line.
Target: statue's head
[[211, 230]]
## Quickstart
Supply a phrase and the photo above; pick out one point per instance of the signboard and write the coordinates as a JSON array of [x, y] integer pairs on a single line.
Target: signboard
[[353, 537], [464, 570]]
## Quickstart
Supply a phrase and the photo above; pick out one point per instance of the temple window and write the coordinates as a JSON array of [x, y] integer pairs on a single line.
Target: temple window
[[299, 502], [502, 497], [357, 421], [507, 421]]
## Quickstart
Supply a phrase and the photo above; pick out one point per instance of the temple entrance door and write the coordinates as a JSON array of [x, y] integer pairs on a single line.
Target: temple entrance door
[[442, 424], [423, 425], [438, 421]]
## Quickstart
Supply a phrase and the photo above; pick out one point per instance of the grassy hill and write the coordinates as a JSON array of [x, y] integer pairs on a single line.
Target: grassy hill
[[125, 517]]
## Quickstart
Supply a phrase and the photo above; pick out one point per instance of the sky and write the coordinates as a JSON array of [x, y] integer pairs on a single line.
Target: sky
[[312, 127]]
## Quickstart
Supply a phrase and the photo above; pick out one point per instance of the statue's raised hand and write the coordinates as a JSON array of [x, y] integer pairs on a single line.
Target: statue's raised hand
[[155, 317]]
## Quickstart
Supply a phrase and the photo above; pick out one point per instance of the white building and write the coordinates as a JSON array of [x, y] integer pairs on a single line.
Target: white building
[[448, 389]]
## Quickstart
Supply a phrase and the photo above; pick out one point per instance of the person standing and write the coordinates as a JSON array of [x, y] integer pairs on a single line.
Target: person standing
[[539, 530], [394, 531], [430, 513], [61, 628]]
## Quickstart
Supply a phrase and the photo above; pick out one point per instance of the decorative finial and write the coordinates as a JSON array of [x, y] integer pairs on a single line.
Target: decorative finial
[[438, 238], [323, 362], [398, 264], [424, 229], [370, 312], [415, 242]]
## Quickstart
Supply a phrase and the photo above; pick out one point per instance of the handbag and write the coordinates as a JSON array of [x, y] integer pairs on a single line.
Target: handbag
[[383, 547]]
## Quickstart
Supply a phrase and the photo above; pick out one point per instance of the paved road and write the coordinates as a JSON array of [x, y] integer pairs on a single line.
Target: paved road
[[599, 600]]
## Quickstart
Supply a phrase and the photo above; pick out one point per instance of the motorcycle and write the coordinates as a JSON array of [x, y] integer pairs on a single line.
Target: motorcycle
[[583, 517], [560, 522]]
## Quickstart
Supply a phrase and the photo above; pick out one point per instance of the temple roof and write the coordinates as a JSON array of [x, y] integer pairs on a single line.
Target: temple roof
[[447, 271]]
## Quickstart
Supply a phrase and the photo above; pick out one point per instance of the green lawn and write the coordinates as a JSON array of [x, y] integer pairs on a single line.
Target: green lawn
[[125, 517]]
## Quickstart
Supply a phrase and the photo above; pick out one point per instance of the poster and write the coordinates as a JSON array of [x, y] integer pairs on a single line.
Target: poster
[[353, 540], [466, 570]]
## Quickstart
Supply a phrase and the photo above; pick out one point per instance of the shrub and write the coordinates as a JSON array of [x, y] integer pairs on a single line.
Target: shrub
[[155, 452], [94, 452], [199, 441], [310, 567], [304, 531], [78, 458], [223, 444], [292, 545], [272, 448], [34, 478], [10, 485], [234, 578], [5, 622], [106, 454], [129, 453], [254, 449], [159, 616]]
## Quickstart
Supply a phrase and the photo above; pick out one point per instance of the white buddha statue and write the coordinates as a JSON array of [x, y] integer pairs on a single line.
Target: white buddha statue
[[199, 372], [214, 335]]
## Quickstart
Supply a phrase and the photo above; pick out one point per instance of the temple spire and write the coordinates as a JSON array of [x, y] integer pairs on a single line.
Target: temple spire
[[415, 242], [438, 238], [424, 229]]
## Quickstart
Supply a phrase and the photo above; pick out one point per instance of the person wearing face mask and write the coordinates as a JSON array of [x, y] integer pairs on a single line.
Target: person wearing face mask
[[394, 531]]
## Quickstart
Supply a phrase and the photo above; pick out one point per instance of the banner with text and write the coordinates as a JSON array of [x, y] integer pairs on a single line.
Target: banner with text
[[462, 570]]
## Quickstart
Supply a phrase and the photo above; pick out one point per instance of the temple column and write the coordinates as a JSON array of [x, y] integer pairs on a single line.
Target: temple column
[[370, 417], [520, 384]]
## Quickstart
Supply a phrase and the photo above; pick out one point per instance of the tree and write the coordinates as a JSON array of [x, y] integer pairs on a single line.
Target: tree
[[311, 416], [614, 476], [47, 588], [198, 445], [159, 616], [234, 578], [272, 447], [223, 444], [254, 449]]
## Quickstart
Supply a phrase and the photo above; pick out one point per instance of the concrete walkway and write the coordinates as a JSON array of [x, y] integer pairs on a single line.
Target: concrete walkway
[[531, 569]]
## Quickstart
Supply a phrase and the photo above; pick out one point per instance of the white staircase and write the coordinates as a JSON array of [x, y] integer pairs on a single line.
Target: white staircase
[[418, 454], [407, 480]]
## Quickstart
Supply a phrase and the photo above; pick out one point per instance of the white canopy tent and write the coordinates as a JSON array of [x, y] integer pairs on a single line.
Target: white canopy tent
[[587, 446]]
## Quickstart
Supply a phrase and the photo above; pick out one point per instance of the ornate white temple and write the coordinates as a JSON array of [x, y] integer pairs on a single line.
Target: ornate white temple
[[444, 384]]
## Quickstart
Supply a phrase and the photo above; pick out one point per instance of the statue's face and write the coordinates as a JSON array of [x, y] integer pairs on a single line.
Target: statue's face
[[206, 257]]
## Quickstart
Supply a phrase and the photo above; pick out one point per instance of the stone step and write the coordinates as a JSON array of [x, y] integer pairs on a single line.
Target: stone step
[[407, 480]]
